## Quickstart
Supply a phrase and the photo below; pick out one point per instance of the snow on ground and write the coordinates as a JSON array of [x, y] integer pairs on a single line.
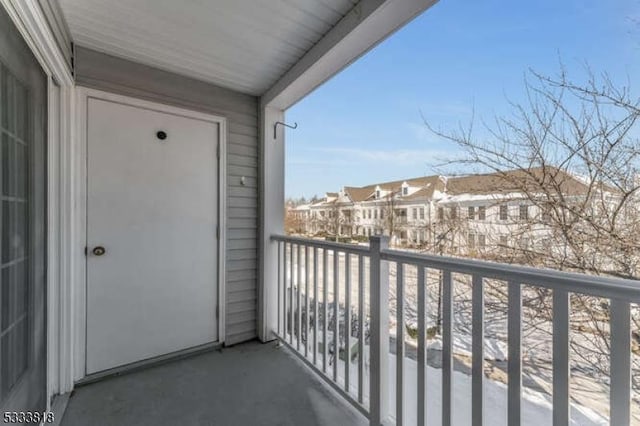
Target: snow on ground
[[493, 349], [537, 408]]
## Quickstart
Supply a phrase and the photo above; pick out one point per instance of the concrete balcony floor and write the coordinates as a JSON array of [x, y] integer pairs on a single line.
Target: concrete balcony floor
[[247, 384]]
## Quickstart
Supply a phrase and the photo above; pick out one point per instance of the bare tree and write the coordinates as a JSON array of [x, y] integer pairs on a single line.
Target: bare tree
[[448, 232], [294, 222], [571, 151], [445, 235], [576, 161], [332, 219], [390, 219]]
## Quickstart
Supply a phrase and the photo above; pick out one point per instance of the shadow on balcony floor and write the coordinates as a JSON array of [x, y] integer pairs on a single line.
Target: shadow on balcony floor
[[248, 384]]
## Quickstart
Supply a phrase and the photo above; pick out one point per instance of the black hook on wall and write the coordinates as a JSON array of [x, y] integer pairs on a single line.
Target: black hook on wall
[[275, 127]]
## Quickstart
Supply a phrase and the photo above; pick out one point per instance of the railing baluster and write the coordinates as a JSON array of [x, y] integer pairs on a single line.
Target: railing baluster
[[422, 347], [514, 326], [447, 349], [620, 362], [325, 308], [291, 299], [284, 285], [361, 319], [560, 357], [336, 313], [299, 297], [477, 352], [347, 320], [399, 344], [307, 272], [315, 305], [279, 284]]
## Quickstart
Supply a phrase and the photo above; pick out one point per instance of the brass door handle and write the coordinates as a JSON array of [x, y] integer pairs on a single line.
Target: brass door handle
[[98, 251]]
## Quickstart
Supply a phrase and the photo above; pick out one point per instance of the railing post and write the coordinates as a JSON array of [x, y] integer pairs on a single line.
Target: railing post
[[620, 394], [379, 303], [561, 397]]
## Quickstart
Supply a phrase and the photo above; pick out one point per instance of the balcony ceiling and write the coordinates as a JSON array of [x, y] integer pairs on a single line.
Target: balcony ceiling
[[245, 45]]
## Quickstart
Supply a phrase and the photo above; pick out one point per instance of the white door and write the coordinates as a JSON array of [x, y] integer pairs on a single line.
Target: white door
[[152, 213]]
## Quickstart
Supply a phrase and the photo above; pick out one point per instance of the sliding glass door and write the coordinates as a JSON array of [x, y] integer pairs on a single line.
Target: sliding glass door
[[23, 112]]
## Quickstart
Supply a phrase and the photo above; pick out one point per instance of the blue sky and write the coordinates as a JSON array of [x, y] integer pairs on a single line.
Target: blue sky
[[364, 125]]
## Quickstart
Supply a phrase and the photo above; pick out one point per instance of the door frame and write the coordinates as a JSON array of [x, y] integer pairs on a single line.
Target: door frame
[[31, 22], [80, 301]]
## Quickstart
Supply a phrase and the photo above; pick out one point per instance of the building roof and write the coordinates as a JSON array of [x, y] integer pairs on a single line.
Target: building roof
[[519, 180], [498, 183], [427, 185]]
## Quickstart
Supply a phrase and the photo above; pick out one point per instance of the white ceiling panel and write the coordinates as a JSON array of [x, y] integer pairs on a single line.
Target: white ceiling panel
[[245, 45]]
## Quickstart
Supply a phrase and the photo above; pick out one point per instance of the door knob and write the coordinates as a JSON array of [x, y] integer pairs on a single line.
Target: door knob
[[98, 251]]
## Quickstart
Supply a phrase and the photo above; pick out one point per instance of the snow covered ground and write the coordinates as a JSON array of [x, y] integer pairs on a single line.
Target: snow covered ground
[[537, 409]]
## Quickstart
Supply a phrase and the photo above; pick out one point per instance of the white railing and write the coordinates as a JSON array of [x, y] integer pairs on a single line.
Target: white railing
[[315, 284]]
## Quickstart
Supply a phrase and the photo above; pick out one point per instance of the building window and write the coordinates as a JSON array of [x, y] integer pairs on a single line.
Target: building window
[[504, 212], [472, 212], [382, 214], [375, 214], [471, 240], [453, 212], [482, 241], [440, 213], [421, 212], [504, 242], [482, 213], [405, 190], [524, 212], [378, 193], [415, 214]]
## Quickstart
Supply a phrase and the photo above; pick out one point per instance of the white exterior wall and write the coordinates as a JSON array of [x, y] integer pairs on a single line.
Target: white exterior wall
[[493, 227]]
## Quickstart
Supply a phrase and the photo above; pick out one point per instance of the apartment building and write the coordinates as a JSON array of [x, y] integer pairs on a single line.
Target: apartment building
[[477, 213]]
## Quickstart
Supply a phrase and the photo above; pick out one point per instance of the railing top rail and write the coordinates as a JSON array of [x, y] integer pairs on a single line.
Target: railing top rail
[[600, 286], [609, 287], [330, 245]]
